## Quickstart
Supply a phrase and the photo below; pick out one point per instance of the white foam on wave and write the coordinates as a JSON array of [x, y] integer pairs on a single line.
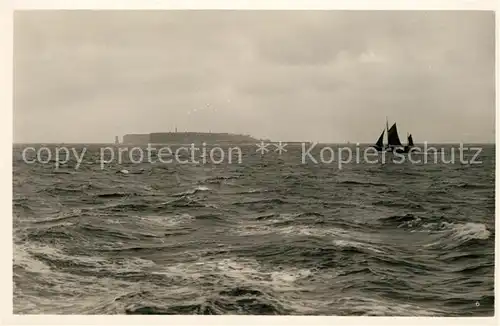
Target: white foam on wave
[[290, 276], [342, 237], [461, 233], [238, 272], [377, 307], [271, 225], [314, 231], [99, 288], [470, 231], [192, 191], [24, 259], [253, 230], [166, 221], [358, 245]]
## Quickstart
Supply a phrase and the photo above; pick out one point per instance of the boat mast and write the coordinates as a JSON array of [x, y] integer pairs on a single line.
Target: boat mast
[[387, 130]]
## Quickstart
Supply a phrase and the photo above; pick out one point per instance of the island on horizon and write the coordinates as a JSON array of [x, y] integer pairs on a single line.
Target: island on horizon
[[187, 137]]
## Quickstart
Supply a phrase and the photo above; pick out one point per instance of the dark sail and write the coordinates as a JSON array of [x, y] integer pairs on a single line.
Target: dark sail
[[393, 137], [410, 141], [380, 141]]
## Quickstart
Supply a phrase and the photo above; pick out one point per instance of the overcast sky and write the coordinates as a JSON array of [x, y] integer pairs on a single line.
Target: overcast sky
[[329, 76]]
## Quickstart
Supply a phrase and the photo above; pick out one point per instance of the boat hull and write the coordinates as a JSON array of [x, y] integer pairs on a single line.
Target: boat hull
[[404, 150], [399, 150]]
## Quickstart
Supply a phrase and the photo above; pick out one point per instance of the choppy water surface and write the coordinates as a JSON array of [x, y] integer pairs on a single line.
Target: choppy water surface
[[268, 236]]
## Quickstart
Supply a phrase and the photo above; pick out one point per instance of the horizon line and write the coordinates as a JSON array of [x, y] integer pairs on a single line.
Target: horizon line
[[265, 140]]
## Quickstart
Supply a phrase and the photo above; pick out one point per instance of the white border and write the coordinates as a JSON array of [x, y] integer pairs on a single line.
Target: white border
[[6, 25]]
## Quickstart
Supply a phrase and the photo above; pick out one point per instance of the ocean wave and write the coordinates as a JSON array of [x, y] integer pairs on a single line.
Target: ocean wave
[[58, 260], [215, 306], [263, 201], [58, 218], [128, 207], [115, 195], [237, 272], [274, 237], [165, 221], [185, 201], [192, 191], [469, 231], [359, 246], [363, 306], [399, 203], [360, 183], [472, 186], [417, 222], [457, 235]]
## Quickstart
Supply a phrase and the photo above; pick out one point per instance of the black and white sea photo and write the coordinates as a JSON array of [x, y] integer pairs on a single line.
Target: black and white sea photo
[[318, 163]]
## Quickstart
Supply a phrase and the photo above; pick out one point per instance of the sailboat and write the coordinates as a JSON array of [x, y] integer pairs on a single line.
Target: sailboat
[[393, 141]]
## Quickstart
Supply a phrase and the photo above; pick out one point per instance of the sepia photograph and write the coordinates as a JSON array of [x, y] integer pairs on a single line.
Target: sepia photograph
[[254, 162]]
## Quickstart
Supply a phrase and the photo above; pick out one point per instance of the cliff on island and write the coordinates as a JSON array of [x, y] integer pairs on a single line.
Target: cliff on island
[[187, 138]]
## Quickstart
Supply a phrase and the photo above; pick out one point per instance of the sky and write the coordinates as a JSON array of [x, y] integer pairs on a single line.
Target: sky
[[327, 76]]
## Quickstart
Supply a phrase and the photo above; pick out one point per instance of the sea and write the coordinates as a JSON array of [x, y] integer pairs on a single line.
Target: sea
[[280, 231]]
